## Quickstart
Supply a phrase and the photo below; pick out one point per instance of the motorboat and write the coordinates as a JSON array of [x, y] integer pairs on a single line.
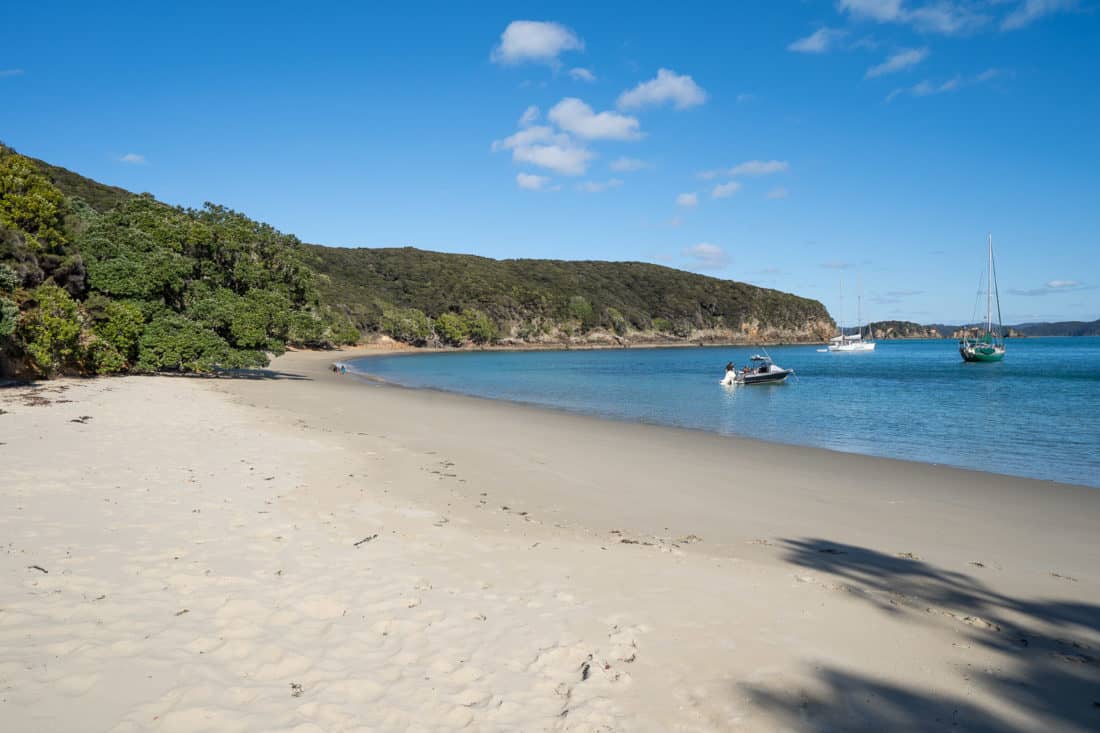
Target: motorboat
[[762, 370]]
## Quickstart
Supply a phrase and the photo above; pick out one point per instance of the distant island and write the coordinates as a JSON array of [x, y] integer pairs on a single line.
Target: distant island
[[887, 330], [97, 280]]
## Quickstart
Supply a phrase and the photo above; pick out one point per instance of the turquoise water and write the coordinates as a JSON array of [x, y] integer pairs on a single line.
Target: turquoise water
[[1035, 414]]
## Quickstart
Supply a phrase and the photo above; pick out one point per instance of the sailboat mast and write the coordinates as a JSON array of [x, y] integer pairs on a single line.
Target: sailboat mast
[[989, 290]]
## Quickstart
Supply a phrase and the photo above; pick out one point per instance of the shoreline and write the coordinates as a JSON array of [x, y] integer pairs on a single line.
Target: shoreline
[[288, 552], [375, 379]]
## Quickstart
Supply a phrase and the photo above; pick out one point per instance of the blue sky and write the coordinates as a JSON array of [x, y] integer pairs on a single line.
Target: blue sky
[[788, 144]]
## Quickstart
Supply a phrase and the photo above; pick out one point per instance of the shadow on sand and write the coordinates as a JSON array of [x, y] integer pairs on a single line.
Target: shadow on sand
[[1048, 662]]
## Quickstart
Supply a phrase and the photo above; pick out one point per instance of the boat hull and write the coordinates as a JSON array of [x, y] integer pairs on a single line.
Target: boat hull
[[766, 378], [979, 355]]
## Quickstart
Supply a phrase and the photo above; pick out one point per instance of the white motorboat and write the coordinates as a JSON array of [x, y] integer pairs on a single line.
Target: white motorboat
[[761, 371]]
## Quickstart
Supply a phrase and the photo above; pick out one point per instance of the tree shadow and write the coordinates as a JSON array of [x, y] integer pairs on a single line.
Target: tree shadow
[[251, 374], [1048, 651]]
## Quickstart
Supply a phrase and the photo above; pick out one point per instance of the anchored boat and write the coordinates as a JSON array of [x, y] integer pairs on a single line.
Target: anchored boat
[[762, 370], [990, 345]]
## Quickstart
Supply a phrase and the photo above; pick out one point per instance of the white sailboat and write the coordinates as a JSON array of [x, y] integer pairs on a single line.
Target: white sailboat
[[852, 342]]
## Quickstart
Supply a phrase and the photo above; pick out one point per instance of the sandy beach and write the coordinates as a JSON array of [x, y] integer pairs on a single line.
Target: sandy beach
[[303, 551]]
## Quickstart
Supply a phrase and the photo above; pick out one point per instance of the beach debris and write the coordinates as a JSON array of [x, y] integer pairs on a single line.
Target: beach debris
[[1064, 577], [831, 551], [39, 568], [977, 564], [366, 539], [296, 689], [690, 539], [183, 611], [82, 419], [908, 556], [586, 668]]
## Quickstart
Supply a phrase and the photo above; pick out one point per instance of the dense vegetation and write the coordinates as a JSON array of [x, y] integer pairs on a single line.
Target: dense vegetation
[[1061, 328], [94, 280], [420, 296], [903, 330]]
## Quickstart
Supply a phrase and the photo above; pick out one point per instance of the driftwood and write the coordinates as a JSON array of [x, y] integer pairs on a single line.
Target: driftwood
[[365, 540]]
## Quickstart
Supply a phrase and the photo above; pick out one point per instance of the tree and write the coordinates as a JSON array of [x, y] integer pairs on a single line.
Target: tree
[[50, 331], [451, 328], [481, 328], [407, 324], [30, 203]]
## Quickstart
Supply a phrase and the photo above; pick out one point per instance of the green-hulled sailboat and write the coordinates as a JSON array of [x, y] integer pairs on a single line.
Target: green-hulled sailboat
[[989, 346]]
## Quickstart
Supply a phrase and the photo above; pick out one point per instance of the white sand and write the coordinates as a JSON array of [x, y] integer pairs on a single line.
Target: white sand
[[202, 572]]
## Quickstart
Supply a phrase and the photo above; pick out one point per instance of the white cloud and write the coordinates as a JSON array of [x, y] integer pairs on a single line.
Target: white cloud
[[778, 193], [531, 182], [529, 116], [820, 41], [928, 88], [4, 73], [707, 256], [529, 40], [582, 74], [573, 115], [599, 186], [745, 98], [880, 10], [1053, 287], [530, 136], [946, 17], [627, 165], [687, 199], [759, 168], [835, 265], [725, 190], [667, 86], [133, 159], [1031, 10], [898, 62], [568, 160]]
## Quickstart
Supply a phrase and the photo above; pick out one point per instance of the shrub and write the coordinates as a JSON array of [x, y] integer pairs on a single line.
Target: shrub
[[619, 324], [480, 327], [9, 279], [407, 324], [30, 203], [50, 332], [9, 315], [174, 342], [120, 329], [451, 328], [580, 310]]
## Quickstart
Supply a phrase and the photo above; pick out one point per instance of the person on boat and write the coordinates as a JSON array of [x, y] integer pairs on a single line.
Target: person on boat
[[731, 374]]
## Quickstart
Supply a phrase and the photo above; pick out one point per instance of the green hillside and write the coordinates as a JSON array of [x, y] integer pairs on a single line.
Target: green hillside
[[94, 280], [554, 300]]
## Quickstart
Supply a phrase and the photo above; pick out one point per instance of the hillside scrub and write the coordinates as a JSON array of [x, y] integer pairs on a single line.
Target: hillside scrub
[[132, 284]]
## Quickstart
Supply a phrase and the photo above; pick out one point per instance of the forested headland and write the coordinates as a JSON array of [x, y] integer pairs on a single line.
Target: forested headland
[[97, 280]]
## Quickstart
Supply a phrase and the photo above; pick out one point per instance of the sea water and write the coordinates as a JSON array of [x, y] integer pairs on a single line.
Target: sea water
[[1035, 414]]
